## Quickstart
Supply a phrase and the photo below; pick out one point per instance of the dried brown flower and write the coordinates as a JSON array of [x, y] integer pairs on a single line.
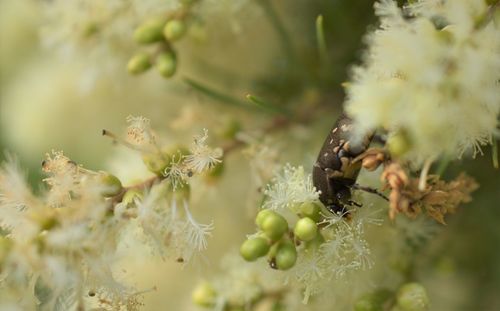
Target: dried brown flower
[[437, 199], [371, 159]]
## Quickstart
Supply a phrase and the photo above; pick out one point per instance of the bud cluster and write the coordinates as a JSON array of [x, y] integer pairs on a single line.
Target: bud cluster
[[161, 32], [280, 243], [409, 297]]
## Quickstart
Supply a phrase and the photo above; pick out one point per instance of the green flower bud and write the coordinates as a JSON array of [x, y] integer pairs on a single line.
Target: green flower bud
[[254, 248], [316, 242], [166, 64], [305, 229], [139, 63], [111, 185], [229, 129], [131, 195], [261, 216], [158, 162], [274, 226], [174, 30], [150, 31], [373, 301], [49, 223], [286, 255], [412, 297], [311, 210], [204, 295], [399, 143], [90, 29]]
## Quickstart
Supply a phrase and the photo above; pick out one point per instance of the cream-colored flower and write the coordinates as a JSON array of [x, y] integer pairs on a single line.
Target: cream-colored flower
[[433, 76]]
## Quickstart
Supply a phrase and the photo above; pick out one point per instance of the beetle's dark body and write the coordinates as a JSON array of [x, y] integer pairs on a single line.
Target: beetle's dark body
[[334, 172]]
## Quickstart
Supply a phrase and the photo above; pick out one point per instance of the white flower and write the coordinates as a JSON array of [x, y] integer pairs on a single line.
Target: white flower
[[176, 171], [14, 192], [202, 157], [289, 188], [139, 130], [433, 76], [197, 233]]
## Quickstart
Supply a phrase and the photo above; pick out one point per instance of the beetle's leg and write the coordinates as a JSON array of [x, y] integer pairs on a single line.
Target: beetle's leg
[[350, 202], [332, 173], [370, 190]]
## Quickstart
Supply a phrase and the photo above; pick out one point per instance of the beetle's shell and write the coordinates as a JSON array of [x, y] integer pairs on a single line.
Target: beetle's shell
[[336, 155]]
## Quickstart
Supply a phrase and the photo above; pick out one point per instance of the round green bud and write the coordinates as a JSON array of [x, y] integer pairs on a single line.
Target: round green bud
[[49, 223], [311, 210], [274, 226], [132, 194], [204, 295], [229, 129], [90, 29], [412, 297], [139, 63], [158, 162], [150, 31], [316, 242], [305, 229], [399, 143], [111, 185], [174, 30], [373, 301], [254, 248], [261, 215], [286, 255], [166, 64]]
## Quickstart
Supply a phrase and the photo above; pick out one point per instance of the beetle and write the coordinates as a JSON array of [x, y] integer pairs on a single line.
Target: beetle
[[335, 172]]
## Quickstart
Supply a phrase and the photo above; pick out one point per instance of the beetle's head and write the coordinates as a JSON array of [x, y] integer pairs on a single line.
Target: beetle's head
[[342, 200]]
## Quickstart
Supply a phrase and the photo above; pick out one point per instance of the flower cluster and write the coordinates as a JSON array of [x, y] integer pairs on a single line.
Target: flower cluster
[[59, 247], [99, 30], [321, 247], [430, 77], [437, 197]]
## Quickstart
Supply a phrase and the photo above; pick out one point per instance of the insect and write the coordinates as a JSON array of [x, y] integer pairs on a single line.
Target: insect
[[335, 172]]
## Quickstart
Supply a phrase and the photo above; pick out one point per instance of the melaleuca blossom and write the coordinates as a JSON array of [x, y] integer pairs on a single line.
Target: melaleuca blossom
[[290, 187], [430, 77], [60, 245], [312, 245], [160, 205], [102, 31]]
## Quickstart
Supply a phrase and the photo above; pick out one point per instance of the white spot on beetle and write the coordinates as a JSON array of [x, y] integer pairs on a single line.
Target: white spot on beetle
[[346, 127]]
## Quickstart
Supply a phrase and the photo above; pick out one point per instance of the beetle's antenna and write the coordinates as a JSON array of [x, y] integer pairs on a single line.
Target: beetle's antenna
[[370, 190]]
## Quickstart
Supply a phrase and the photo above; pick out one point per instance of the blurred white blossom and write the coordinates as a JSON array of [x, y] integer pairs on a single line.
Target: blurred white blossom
[[431, 71]]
